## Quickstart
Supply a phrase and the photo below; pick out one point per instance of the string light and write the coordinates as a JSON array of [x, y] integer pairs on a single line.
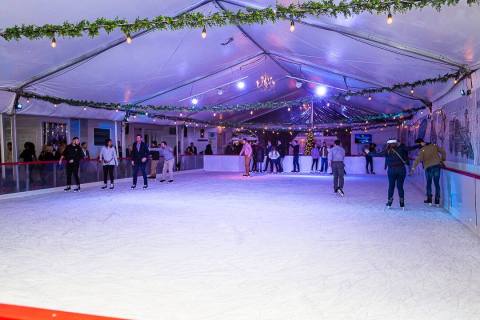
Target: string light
[[204, 33], [292, 26], [84, 108], [369, 98], [411, 91], [214, 114], [53, 44], [251, 112], [289, 109], [129, 38], [389, 18]]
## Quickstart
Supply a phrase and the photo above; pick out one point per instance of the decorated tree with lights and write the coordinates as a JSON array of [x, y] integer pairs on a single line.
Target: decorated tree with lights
[[309, 144]]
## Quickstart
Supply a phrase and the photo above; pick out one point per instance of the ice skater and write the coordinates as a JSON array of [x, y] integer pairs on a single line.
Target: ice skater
[[336, 157], [72, 154], [296, 155], [396, 160], [168, 161], [139, 156], [315, 153], [247, 153], [274, 156], [108, 158], [267, 152], [432, 157], [324, 156]]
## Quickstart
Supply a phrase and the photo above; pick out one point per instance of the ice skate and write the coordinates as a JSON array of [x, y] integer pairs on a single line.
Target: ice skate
[[437, 202], [112, 186], [402, 204], [67, 189], [388, 205], [104, 186], [77, 189], [340, 192], [428, 200]]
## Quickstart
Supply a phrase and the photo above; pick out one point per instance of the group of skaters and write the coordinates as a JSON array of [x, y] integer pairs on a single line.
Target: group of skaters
[[140, 153], [270, 159], [396, 157]]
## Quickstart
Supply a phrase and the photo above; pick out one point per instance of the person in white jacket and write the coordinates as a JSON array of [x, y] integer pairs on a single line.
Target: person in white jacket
[[108, 158]]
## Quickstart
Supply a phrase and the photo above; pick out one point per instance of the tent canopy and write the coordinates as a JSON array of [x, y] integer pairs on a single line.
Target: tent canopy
[[172, 67]]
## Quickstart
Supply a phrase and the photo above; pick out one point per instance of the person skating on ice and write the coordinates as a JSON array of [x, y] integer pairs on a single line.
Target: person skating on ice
[[139, 156], [108, 159], [247, 153], [296, 155], [432, 157], [72, 154], [168, 161], [336, 157], [396, 160]]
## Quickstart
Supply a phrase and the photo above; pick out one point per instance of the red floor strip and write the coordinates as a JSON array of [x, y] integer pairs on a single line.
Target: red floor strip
[[12, 312]]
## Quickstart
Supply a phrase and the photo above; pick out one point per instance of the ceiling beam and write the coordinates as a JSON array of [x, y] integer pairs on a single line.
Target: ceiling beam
[[249, 37], [96, 52], [345, 31], [196, 79]]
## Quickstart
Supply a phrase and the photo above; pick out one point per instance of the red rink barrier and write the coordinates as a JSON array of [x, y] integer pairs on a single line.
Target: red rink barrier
[[12, 312]]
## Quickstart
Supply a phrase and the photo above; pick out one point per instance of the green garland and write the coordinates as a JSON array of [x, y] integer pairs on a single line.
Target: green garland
[[409, 85], [223, 18]]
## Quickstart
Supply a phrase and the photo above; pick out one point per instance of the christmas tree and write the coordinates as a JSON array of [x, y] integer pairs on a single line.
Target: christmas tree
[[309, 144]]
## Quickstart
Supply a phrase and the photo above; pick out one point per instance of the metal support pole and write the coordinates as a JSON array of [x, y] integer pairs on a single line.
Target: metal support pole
[[311, 115], [14, 140], [3, 145], [124, 146], [176, 146]]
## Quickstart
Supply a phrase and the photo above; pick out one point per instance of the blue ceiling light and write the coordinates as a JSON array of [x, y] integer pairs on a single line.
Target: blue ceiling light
[[241, 85], [321, 91]]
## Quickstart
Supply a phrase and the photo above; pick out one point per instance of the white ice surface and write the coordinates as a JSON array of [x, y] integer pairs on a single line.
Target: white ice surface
[[220, 246]]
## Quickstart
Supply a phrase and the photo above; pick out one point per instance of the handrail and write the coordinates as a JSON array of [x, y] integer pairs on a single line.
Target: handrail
[[463, 173]]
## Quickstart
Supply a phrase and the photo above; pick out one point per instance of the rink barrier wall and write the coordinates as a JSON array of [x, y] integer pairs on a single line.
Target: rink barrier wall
[[84, 186], [14, 312], [460, 194]]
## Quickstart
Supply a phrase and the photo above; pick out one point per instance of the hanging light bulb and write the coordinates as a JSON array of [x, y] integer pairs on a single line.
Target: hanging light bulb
[[84, 108], [53, 44], [204, 33], [129, 38], [292, 26], [411, 91], [289, 109], [194, 101], [369, 98], [389, 18], [251, 112], [55, 105], [214, 114]]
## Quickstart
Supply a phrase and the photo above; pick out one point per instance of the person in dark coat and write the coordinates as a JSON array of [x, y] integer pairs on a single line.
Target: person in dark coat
[[281, 150], [296, 156], [259, 157], [73, 153], [268, 160], [139, 157], [208, 150], [396, 159]]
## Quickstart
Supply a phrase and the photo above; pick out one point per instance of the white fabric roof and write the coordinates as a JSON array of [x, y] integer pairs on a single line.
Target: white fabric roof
[[167, 67]]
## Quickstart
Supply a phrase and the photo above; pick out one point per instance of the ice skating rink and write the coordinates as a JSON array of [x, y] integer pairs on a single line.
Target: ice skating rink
[[220, 246]]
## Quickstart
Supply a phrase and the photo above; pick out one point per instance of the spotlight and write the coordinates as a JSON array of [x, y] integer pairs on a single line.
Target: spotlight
[[289, 109], [240, 85], [220, 92], [53, 44], [292, 26], [321, 91], [411, 91], [298, 84], [204, 33], [194, 101], [389, 18], [369, 98], [19, 106]]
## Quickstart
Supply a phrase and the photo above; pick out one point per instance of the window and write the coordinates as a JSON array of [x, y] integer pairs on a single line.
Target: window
[[54, 132], [100, 136]]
